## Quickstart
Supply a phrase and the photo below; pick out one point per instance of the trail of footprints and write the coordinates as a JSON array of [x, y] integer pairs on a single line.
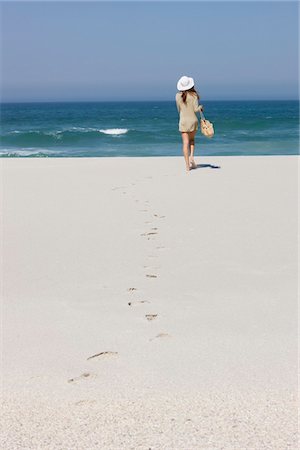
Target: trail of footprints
[[149, 235]]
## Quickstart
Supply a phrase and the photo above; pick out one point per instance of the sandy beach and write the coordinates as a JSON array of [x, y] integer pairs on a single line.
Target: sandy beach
[[146, 308]]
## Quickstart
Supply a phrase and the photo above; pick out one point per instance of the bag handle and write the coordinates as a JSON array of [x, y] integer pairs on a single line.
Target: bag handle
[[202, 115]]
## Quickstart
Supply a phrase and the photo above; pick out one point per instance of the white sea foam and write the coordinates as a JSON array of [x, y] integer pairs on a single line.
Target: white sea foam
[[23, 132], [27, 152], [57, 133], [114, 131], [80, 129], [29, 131]]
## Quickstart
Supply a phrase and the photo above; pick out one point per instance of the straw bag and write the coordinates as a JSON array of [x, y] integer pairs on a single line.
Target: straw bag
[[206, 126]]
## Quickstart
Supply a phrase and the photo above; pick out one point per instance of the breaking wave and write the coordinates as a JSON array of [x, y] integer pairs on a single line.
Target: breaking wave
[[114, 131], [65, 136]]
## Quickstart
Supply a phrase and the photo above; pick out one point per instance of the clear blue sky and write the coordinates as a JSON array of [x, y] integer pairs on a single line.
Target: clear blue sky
[[138, 50]]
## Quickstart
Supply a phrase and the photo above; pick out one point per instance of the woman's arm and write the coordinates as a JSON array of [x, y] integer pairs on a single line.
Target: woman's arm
[[197, 108]]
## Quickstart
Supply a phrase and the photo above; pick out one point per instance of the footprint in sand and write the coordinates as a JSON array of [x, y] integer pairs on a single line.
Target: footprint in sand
[[149, 233], [161, 335], [102, 354], [151, 316], [137, 302], [85, 402], [148, 275], [131, 289], [158, 216], [82, 376]]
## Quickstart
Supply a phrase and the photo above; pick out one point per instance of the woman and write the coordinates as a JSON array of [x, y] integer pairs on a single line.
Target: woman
[[187, 106]]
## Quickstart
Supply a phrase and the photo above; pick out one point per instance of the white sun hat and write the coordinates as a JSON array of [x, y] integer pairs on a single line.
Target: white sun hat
[[185, 83]]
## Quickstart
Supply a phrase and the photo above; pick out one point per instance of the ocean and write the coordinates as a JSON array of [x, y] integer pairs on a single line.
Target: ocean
[[96, 129]]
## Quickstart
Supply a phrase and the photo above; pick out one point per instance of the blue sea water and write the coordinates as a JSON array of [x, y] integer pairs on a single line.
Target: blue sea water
[[145, 129]]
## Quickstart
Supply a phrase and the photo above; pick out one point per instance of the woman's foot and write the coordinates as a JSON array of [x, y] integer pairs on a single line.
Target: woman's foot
[[193, 165]]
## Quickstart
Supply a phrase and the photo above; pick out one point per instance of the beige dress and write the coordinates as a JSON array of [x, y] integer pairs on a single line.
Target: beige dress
[[188, 121]]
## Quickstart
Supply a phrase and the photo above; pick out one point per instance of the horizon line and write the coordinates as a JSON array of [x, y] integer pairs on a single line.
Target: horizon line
[[139, 101]]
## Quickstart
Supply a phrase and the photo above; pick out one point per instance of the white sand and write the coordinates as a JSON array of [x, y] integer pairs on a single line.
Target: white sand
[[216, 369]]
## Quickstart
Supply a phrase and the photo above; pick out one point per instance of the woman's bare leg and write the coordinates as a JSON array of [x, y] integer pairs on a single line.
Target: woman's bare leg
[[192, 148], [185, 149]]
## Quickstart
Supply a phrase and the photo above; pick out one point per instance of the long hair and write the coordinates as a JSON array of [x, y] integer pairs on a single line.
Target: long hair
[[192, 91]]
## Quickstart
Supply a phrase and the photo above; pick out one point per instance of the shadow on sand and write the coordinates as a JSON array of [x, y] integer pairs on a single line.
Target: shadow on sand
[[206, 166]]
